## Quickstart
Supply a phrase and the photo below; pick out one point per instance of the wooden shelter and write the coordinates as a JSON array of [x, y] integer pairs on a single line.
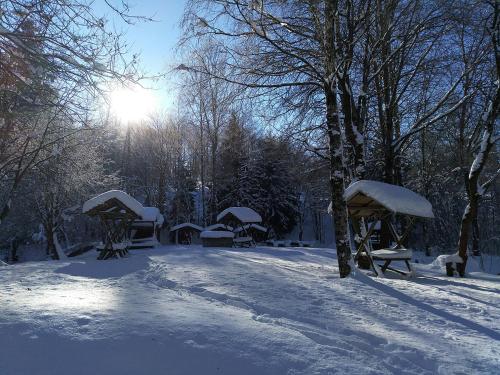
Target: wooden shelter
[[238, 217], [256, 231], [145, 231], [117, 211], [185, 233], [372, 201]]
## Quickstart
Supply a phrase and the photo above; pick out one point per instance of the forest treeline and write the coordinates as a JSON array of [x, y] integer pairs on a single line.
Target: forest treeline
[[281, 105]]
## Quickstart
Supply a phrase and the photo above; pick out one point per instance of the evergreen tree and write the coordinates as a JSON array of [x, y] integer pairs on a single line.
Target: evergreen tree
[[268, 186], [182, 205], [233, 160]]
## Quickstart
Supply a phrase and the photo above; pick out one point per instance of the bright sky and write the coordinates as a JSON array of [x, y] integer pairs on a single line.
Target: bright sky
[[154, 41]]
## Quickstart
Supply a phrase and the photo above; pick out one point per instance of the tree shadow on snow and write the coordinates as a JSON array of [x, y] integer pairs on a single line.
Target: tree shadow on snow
[[429, 280], [104, 269], [285, 252], [424, 306]]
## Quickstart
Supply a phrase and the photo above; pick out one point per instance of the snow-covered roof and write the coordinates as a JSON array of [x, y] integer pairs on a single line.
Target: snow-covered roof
[[216, 234], [119, 195], [392, 197], [186, 225], [219, 226], [248, 226], [243, 214], [152, 214]]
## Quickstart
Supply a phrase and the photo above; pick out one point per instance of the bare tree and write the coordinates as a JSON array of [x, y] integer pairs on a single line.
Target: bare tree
[[296, 53], [55, 56], [487, 124]]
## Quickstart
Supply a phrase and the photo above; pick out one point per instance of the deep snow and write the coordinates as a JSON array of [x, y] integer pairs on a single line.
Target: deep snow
[[193, 310]]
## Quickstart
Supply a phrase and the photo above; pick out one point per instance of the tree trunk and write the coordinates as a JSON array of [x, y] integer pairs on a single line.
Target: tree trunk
[[475, 236], [487, 122], [51, 246], [474, 190], [339, 208]]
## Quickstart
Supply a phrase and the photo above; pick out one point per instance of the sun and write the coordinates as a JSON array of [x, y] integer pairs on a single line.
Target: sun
[[132, 104]]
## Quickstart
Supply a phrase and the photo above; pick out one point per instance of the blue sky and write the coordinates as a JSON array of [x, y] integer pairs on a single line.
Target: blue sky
[[154, 41]]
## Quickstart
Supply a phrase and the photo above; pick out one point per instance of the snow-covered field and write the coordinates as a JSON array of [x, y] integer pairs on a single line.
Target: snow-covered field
[[190, 310]]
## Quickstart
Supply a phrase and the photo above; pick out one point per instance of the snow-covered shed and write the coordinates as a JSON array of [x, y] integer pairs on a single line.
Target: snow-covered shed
[[185, 233]]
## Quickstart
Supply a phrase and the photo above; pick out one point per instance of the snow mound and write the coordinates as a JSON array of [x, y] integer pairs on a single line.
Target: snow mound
[[243, 214], [473, 264], [123, 197], [216, 234], [395, 198]]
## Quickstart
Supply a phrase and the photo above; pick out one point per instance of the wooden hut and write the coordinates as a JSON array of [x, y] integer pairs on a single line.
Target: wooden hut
[[117, 211], [374, 201], [185, 233]]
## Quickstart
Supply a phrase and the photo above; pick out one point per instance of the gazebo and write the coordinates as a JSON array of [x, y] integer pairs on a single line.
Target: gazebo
[[372, 201], [256, 231], [238, 217], [117, 211], [185, 233]]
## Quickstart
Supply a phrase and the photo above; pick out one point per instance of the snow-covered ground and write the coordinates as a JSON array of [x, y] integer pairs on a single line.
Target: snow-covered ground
[[194, 310]]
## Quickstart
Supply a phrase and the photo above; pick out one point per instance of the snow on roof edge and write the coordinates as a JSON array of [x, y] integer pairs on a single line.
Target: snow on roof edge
[[185, 225], [247, 226], [395, 198], [244, 214], [219, 225], [123, 197]]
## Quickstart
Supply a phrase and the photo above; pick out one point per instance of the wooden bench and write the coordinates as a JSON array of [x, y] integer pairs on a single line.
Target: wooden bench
[[388, 256]]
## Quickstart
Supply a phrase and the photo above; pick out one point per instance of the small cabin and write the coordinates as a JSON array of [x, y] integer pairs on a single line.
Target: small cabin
[[185, 234]]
